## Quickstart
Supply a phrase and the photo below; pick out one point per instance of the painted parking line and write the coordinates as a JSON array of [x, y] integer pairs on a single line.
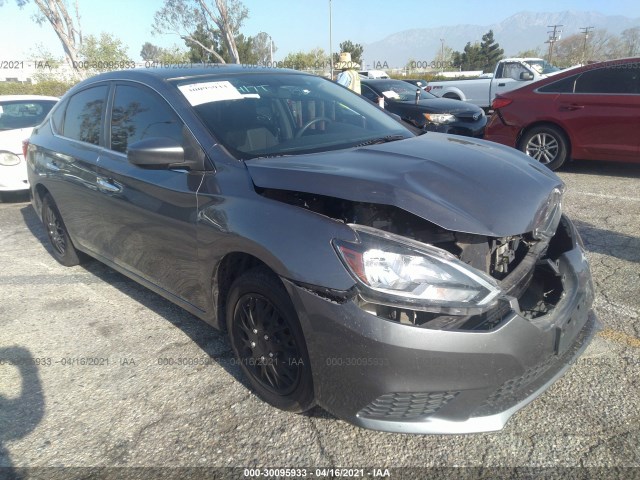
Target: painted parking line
[[604, 195]]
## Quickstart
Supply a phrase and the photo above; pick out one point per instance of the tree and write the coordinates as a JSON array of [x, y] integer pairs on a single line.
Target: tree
[[204, 43], [172, 55], [444, 58], [479, 56], [314, 59], [470, 58], [490, 51], [104, 52], [67, 30], [576, 49], [355, 49], [531, 53], [630, 42], [224, 17], [150, 51], [263, 48]]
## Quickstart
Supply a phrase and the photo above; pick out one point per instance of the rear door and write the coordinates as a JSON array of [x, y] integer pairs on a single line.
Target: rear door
[[67, 161], [602, 114], [148, 215]]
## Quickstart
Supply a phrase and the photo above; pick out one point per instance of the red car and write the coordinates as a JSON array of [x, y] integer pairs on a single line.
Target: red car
[[587, 113]]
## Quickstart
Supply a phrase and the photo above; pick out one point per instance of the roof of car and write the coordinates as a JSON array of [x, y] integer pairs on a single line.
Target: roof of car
[[171, 72]]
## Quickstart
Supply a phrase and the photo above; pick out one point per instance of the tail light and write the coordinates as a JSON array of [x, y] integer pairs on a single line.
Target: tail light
[[25, 147], [500, 102], [428, 88]]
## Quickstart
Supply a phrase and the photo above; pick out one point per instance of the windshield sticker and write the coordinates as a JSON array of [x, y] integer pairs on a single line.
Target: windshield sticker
[[250, 95], [199, 93], [391, 94]]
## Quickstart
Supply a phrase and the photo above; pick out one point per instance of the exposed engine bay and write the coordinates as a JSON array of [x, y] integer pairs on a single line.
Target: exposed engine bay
[[524, 266]]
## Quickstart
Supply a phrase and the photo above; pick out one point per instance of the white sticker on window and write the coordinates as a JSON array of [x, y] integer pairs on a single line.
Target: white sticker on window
[[199, 93], [391, 94]]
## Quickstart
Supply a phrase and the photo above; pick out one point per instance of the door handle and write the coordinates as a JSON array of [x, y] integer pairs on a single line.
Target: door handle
[[106, 186], [571, 107], [501, 84]]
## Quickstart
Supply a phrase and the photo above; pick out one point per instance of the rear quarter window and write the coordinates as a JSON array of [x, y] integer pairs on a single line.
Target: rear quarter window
[[566, 85], [83, 115]]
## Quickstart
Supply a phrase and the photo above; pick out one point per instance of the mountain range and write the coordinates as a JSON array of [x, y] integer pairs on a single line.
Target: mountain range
[[519, 32]]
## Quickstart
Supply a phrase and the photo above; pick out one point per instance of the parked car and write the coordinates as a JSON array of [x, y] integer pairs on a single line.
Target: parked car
[[373, 74], [587, 113], [18, 115], [509, 74], [408, 283], [417, 82], [429, 112]]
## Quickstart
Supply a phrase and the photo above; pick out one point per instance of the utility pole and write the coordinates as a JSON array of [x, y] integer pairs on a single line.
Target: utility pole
[[554, 36], [330, 43], [442, 55], [585, 31]]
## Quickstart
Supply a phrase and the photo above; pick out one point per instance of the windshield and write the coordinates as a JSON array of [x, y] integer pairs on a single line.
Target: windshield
[[23, 114], [542, 66], [399, 91], [275, 114]]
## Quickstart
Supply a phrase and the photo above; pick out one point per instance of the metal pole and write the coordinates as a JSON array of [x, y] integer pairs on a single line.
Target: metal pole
[[442, 56], [330, 43]]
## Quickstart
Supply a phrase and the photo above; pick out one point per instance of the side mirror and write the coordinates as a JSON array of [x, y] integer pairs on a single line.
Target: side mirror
[[157, 152], [526, 76]]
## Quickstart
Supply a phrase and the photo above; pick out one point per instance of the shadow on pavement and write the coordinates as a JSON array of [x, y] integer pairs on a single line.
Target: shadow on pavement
[[607, 242], [600, 167], [19, 415]]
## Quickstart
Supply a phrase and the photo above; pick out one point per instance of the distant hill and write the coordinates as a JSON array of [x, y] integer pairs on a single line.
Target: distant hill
[[519, 32]]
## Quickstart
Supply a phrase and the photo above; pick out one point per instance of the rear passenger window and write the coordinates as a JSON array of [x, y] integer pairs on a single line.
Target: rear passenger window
[[621, 79], [83, 117], [139, 113]]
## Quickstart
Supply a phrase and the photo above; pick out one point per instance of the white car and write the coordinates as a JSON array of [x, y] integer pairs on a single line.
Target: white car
[[18, 115]]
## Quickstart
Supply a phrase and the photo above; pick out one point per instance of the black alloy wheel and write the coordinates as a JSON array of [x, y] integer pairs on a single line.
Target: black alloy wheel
[[63, 249], [267, 340]]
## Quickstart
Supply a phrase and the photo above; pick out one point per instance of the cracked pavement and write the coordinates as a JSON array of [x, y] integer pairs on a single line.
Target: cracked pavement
[[128, 407]]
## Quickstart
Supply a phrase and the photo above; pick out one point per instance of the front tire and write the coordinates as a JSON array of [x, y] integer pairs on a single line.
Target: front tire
[[63, 249], [547, 145], [267, 340]]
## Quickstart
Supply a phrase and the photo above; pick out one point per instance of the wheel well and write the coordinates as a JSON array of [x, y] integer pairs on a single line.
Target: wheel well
[[453, 96], [230, 267], [546, 124], [40, 191]]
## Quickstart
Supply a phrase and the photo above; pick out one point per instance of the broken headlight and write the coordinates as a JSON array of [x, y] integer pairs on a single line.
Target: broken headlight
[[397, 271]]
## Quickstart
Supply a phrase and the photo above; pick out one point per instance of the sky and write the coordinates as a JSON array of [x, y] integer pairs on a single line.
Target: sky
[[294, 25]]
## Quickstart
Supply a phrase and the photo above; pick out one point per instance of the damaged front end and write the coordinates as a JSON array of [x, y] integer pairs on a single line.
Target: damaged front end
[[414, 272]]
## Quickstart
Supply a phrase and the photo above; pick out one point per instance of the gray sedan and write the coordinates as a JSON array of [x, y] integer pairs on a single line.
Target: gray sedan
[[413, 283]]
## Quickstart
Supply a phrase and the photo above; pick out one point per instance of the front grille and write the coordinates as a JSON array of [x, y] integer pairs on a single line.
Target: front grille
[[406, 406]]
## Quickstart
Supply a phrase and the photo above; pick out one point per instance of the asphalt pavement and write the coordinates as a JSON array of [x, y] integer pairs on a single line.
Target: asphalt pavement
[[105, 374]]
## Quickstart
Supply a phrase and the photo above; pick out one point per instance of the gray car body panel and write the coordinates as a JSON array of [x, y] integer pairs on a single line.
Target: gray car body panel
[[448, 180]]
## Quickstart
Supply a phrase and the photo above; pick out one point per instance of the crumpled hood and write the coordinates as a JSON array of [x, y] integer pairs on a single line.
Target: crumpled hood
[[460, 184]]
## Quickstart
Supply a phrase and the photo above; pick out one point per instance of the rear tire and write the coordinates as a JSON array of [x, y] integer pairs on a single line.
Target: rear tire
[[267, 340], [546, 144], [63, 249]]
